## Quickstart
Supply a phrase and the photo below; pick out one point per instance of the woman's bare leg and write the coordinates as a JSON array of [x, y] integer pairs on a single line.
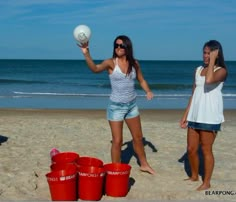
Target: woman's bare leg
[[207, 139], [117, 139], [192, 148], [134, 125]]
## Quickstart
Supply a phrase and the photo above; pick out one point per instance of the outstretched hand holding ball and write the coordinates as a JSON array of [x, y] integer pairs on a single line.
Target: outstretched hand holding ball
[[82, 34]]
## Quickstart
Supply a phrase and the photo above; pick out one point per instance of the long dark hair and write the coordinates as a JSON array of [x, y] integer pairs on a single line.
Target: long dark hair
[[128, 51], [215, 45]]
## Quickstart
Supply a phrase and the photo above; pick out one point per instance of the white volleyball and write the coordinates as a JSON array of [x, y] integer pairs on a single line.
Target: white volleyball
[[82, 33]]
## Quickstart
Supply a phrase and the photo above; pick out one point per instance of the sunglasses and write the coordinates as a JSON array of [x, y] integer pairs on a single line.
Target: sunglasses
[[122, 46]]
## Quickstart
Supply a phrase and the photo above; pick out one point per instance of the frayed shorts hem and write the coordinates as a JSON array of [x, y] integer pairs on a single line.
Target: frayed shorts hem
[[204, 126]]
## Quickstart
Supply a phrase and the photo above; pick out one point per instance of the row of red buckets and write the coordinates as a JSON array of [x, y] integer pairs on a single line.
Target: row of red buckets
[[87, 178]]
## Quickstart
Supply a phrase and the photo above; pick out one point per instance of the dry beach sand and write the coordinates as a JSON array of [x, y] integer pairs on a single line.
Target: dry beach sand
[[26, 137]]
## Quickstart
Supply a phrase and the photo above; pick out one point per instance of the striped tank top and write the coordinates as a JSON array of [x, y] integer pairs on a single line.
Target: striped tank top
[[122, 85]]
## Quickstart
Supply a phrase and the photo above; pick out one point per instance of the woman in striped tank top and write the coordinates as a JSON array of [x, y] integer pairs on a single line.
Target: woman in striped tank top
[[123, 69]]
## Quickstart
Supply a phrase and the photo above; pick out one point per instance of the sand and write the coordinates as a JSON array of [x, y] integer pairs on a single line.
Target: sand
[[26, 137]]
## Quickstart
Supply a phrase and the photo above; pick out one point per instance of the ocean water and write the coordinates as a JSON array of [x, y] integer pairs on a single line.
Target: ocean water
[[69, 84]]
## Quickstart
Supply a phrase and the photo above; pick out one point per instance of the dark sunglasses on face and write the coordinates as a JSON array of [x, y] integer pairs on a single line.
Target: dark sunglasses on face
[[122, 46]]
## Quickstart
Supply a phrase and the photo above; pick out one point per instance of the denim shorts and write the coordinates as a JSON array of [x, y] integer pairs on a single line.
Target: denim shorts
[[204, 126], [119, 111]]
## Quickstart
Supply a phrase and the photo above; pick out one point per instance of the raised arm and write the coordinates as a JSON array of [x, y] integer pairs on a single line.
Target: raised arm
[[214, 76], [96, 68]]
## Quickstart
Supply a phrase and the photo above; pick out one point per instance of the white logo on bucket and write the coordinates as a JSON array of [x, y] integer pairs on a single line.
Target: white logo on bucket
[[52, 179], [69, 177], [91, 174], [118, 172], [62, 178]]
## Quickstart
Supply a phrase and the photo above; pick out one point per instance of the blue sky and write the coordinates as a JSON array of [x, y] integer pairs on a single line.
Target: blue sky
[[159, 29]]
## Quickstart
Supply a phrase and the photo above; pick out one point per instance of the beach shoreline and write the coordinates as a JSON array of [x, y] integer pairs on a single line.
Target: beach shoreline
[[27, 135]]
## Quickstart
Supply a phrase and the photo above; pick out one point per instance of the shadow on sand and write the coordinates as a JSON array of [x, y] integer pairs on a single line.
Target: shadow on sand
[[3, 139], [184, 159], [128, 152]]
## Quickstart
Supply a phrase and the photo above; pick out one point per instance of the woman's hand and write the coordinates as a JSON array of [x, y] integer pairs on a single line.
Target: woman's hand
[[183, 123], [84, 47], [149, 95], [214, 55]]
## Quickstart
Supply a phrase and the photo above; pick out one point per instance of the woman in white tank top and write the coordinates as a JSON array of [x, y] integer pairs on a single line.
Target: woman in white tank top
[[204, 113], [123, 70]]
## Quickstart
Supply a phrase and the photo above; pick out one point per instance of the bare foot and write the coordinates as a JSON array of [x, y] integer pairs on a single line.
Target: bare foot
[[193, 179], [147, 169], [203, 187]]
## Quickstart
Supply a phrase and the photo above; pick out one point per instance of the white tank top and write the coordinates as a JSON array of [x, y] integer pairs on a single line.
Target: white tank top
[[122, 85], [207, 101]]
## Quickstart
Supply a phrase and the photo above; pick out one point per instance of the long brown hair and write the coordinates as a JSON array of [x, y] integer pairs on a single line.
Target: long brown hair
[[215, 45], [128, 51]]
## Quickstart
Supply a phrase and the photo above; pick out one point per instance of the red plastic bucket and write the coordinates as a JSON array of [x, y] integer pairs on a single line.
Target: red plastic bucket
[[62, 166], [89, 161], [65, 157], [90, 183], [117, 179], [62, 184]]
